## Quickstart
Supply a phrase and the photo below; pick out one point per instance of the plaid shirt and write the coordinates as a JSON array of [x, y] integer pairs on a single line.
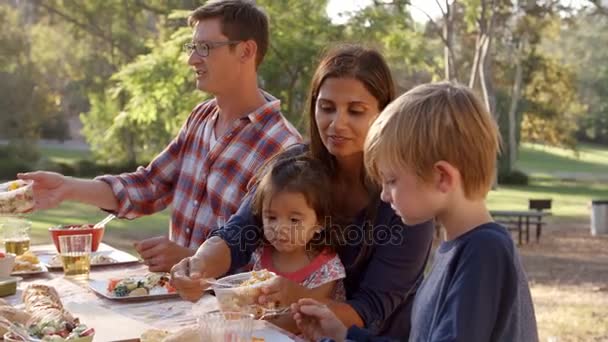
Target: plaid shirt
[[204, 185]]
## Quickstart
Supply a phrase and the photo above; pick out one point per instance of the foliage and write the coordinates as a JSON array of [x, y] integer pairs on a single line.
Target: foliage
[[145, 107]]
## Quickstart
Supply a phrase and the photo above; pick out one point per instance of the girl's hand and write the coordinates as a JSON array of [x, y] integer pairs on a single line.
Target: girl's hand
[[187, 277], [315, 320], [282, 292]]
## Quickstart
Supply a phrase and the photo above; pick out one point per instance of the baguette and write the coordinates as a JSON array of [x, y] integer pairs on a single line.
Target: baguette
[[44, 304]]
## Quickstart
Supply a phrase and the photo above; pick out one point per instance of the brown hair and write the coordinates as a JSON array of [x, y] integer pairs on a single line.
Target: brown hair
[[241, 20], [369, 67], [348, 61], [437, 122], [300, 174]]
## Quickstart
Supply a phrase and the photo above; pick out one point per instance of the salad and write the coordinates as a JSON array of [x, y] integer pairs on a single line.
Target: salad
[[16, 197], [150, 284], [59, 330]]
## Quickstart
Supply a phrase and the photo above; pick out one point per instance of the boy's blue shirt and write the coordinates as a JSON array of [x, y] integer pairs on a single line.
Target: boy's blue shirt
[[476, 291]]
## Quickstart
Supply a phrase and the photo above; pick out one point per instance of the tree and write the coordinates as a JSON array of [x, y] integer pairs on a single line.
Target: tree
[[144, 109]]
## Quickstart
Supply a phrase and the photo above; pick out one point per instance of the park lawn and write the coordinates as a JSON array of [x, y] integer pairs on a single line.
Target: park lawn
[[541, 160], [60, 155], [572, 179], [570, 198]]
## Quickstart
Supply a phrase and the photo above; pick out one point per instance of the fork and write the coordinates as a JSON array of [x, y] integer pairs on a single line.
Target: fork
[[268, 313]]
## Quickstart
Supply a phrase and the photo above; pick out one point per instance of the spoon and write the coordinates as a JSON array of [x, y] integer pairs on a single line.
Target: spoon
[[104, 221]]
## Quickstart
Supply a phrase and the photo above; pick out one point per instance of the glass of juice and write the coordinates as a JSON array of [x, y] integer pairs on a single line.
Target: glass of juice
[[15, 234], [76, 255]]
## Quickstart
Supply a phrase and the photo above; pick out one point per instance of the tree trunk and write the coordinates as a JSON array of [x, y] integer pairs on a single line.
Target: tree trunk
[[515, 96]]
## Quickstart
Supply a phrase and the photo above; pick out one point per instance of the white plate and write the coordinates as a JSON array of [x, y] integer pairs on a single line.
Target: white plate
[[119, 256], [100, 286], [43, 269]]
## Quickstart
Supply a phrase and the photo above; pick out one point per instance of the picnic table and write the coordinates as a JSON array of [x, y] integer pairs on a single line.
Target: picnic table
[[521, 220], [126, 321]]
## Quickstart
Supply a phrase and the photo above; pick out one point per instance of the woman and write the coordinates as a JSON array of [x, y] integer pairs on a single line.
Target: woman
[[384, 259]]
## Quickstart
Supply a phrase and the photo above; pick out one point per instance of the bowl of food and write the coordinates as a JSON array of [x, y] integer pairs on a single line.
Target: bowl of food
[[7, 262], [16, 197], [77, 229], [240, 292]]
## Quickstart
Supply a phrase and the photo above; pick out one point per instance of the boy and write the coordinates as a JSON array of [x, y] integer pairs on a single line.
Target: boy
[[434, 151]]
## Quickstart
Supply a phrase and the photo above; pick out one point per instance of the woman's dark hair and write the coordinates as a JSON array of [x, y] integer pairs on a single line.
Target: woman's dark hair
[[305, 175], [370, 68]]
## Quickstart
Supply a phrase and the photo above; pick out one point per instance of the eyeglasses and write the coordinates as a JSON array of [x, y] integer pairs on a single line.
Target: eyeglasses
[[202, 49]]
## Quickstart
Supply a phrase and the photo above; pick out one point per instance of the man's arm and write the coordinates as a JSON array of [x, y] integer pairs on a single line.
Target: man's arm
[[93, 192]]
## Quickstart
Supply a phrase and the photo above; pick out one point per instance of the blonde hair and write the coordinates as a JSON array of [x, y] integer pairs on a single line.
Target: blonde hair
[[437, 122]]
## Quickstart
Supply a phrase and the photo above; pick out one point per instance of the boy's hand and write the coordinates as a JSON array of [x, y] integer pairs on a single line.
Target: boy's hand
[[315, 320], [160, 253], [187, 276]]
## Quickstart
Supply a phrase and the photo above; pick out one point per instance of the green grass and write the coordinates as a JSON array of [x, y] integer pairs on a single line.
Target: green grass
[[571, 178], [64, 156], [540, 160], [570, 199]]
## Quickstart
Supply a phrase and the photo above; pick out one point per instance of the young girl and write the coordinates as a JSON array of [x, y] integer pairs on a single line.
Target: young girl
[[293, 205]]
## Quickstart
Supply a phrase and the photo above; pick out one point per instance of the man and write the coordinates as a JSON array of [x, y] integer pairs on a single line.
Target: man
[[203, 173]]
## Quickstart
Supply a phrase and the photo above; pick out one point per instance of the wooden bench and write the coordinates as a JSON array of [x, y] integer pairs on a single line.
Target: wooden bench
[[521, 220]]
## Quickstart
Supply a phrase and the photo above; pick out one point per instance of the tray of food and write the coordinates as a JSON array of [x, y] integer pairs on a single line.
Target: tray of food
[[16, 197], [28, 264], [44, 318], [101, 258], [152, 286]]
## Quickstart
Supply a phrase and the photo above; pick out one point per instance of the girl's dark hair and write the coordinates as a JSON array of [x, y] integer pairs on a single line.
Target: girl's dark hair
[[369, 67], [305, 175]]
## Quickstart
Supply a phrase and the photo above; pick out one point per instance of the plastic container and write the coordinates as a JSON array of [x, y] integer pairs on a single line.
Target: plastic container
[[77, 229], [599, 217], [232, 296], [16, 197], [7, 262], [225, 326]]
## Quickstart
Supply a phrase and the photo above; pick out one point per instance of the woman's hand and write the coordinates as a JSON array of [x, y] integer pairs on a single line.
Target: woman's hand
[[315, 320], [187, 276], [282, 292]]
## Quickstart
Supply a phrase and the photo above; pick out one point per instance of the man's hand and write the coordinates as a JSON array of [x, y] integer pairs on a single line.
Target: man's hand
[[187, 276], [315, 320], [50, 188], [160, 253], [282, 292]]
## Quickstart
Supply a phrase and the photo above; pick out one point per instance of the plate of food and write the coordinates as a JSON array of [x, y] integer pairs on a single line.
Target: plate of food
[[45, 318], [151, 286], [28, 264], [101, 258]]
